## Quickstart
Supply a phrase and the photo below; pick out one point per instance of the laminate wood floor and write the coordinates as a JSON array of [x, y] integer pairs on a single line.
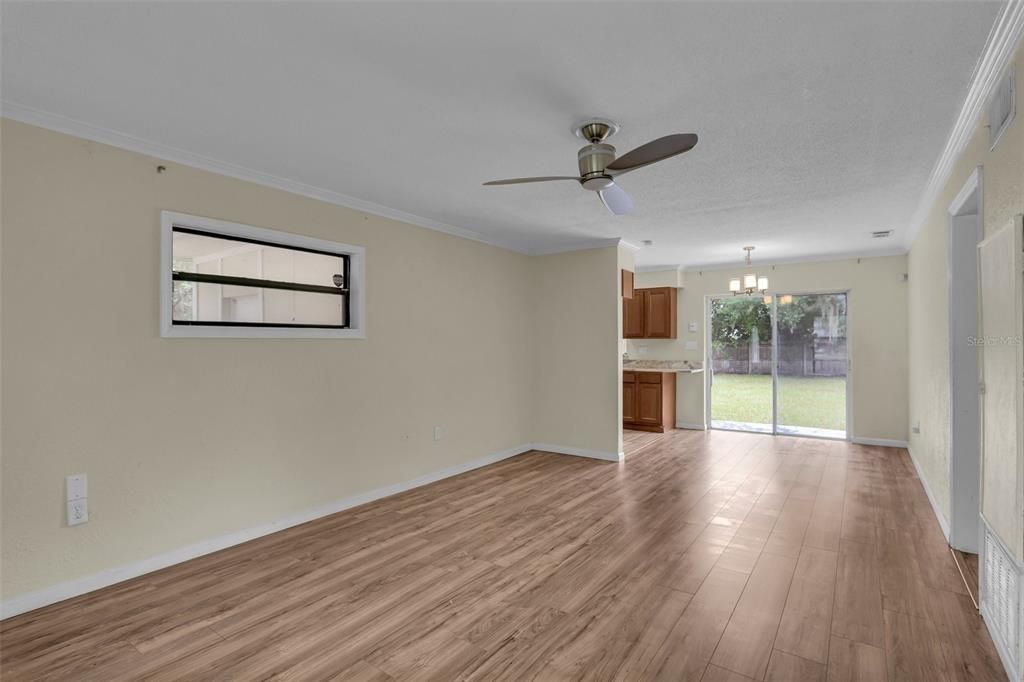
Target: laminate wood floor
[[706, 556], [635, 441]]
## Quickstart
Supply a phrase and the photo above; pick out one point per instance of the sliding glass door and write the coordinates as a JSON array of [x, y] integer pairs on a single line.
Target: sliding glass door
[[741, 364], [810, 385], [778, 364]]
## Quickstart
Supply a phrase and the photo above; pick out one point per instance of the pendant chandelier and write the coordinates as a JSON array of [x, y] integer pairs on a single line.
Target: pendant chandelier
[[750, 283]]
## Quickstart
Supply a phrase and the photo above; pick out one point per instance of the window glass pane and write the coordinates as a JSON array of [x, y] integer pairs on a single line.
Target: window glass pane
[[217, 255], [228, 303], [302, 307], [248, 303], [812, 365], [741, 363]]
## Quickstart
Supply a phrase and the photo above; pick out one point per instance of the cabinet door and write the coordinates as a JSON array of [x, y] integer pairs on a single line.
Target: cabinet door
[[633, 315], [660, 313], [628, 399], [648, 411]]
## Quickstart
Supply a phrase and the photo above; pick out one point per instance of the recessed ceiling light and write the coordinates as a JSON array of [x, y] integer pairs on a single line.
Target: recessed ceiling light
[[881, 234]]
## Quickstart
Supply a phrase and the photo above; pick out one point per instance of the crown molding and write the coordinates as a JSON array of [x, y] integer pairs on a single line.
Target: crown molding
[[70, 126], [584, 244], [659, 268], [766, 263], [1000, 46]]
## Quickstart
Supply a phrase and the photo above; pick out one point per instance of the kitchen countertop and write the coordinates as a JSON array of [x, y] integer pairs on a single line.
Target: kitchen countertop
[[677, 366]]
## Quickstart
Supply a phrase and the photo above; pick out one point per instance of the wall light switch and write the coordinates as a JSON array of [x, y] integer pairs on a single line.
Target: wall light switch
[[692, 326], [78, 511], [437, 433], [77, 487]]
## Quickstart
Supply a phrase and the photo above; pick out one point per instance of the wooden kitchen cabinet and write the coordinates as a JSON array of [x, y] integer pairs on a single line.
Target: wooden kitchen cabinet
[[633, 316], [627, 284], [650, 314], [628, 397], [649, 401]]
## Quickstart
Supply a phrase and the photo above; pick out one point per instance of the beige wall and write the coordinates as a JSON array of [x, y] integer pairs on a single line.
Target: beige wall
[[1003, 190], [190, 439], [576, 330], [877, 328]]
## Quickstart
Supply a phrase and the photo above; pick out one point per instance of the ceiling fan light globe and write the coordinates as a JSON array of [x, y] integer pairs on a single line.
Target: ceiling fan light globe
[[762, 284], [734, 286], [750, 281], [597, 184]]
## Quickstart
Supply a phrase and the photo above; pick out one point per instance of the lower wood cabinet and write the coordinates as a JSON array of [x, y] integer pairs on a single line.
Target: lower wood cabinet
[[649, 401]]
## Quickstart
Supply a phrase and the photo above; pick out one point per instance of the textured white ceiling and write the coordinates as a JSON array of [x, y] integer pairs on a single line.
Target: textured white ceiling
[[818, 122]]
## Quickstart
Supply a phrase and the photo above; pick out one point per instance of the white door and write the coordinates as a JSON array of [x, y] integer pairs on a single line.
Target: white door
[[1002, 479]]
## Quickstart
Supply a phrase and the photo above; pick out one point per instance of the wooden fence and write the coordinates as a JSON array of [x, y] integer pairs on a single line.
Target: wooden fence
[[820, 358]]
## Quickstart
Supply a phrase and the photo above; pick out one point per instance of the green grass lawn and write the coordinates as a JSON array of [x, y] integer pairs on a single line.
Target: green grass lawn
[[818, 402]]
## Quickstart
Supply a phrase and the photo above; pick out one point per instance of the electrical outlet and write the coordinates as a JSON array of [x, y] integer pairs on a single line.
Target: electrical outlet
[[437, 433], [78, 511], [77, 487]]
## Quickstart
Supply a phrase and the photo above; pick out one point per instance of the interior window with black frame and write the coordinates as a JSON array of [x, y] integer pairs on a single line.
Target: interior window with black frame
[[231, 281]]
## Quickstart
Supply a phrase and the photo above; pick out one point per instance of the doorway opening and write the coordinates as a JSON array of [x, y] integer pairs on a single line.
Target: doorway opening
[[779, 364], [963, 235]]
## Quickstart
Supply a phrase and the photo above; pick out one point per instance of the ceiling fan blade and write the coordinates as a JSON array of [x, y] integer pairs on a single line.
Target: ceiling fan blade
[[616, 200], [517, 181], [652, 152]]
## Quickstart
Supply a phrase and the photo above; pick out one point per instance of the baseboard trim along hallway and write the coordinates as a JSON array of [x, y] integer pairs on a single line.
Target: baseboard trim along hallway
[[939, 516], [111, 576], [883, 442], [579, 452]]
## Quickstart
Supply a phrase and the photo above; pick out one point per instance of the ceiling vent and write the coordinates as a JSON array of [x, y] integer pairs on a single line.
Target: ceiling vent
[[881, 234], [1001, 108]]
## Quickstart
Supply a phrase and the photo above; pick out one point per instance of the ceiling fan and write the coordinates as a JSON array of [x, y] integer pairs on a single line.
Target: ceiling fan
[[599, 167]]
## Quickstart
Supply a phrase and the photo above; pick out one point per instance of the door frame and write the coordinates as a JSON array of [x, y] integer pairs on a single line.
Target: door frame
[[964, 476], [709, 366]]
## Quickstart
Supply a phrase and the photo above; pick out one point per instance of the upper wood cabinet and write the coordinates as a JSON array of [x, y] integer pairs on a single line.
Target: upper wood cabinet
[[660, 313], [633, 316], [627, 284], [650, 314]]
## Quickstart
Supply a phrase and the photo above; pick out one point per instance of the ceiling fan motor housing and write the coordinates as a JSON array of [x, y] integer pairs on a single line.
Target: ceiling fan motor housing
[[593, 159]]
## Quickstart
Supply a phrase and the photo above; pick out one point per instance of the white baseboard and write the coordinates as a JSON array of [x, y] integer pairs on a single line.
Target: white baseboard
[[686, 425], [943, 522], [579, 452], [1002, 600], [883, 442], [111, 576]]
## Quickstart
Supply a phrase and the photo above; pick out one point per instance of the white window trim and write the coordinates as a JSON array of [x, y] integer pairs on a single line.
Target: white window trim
[[357, 285]]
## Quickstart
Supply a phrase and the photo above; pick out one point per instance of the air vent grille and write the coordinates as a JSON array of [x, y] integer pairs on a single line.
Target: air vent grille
[[881, 234], [1000, 594], [1001, 108]]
